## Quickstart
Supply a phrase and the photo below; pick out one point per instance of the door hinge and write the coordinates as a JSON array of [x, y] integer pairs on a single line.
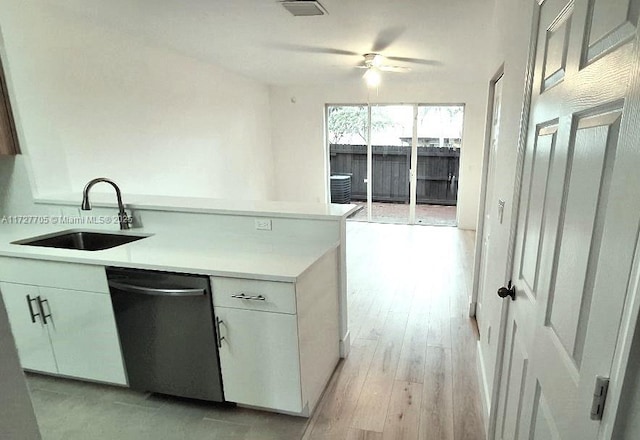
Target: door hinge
[[599, 397]]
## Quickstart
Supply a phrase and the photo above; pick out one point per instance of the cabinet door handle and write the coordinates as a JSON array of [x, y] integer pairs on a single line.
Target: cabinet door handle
[[252, 298], [33, 315], [219, 338], [41, 307]]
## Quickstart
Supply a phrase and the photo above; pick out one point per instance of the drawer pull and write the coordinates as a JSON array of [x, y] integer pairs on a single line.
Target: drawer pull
[[252, 298]]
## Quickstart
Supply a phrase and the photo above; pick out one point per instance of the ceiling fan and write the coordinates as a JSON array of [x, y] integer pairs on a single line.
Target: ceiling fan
[[374, 61]]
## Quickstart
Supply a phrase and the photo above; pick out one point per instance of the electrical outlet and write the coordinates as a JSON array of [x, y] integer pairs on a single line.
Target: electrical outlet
[[263, 224]]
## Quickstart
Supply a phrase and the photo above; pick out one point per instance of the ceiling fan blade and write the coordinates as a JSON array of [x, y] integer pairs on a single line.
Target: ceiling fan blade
[[314, 49], [415, 61], [396, 69], [386, 37]]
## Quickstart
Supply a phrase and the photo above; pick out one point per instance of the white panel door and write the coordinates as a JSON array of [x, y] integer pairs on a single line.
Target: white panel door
[[488, 309], [32, 339], [84, 335], [487, 293], [259, 358], [577, 224]]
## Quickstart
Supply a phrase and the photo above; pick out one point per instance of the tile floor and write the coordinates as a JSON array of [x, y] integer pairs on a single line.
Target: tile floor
[[70, 410]]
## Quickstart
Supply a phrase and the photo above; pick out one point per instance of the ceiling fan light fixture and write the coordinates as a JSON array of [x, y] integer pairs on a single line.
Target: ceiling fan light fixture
[[372, 77], [373, 59]]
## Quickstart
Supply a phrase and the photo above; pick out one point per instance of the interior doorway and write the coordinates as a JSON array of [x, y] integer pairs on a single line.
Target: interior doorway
[[400, 162]]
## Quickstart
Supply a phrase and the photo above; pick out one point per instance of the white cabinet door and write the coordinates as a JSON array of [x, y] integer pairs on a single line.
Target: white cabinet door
[[259, 358], [84, 335], [31, 337]]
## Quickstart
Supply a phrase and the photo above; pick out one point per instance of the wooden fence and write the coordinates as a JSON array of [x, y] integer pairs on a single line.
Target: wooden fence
[[437, 179]]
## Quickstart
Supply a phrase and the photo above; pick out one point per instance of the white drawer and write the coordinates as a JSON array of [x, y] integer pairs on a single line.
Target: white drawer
[[70, 276], [268, 296]]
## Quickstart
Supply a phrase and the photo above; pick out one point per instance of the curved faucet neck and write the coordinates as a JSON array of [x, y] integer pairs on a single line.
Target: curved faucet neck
[[86, 204]]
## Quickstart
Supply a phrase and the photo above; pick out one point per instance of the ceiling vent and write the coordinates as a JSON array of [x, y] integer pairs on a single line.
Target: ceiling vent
[[304, 8]]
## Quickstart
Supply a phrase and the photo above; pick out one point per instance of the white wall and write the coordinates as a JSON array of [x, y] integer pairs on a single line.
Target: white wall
[[15, 189], [299, 137], [627, 424], [17, 419], [92, 101]]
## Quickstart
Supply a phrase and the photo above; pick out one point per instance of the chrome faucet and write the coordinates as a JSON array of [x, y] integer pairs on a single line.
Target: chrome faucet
[[86, 205]]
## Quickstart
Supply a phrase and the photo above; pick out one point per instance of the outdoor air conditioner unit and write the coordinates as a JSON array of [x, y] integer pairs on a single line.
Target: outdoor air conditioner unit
[[340, 188]]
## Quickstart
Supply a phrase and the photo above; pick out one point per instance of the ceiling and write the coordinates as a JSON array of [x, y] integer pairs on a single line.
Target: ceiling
[[261, 40]]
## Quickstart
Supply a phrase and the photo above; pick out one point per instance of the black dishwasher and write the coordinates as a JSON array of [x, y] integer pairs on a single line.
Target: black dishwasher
[[167, 333]]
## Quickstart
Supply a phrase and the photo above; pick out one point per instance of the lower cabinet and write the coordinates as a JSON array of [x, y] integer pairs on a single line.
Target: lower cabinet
[[84, 335], [67, 332], [259, 358], [278, 341], [30, 334]]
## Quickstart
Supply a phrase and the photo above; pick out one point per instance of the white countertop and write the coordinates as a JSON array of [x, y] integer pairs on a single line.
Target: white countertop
[[208, 206], [178, 250]]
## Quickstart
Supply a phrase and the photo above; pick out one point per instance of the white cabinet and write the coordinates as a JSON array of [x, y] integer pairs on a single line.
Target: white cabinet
[[84, 335], [278, 341], [259, 358], [31, 335], [60, 328]]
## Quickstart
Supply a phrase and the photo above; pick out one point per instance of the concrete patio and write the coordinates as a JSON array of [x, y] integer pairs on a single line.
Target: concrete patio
[[398, 213]]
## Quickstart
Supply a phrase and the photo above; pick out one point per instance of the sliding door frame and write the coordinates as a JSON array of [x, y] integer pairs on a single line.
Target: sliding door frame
[[413, 166]]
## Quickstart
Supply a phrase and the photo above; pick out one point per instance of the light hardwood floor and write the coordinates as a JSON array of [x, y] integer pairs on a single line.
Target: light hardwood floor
[[411, 373]]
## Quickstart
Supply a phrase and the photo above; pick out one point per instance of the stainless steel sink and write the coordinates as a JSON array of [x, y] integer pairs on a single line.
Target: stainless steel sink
[[80, 240]]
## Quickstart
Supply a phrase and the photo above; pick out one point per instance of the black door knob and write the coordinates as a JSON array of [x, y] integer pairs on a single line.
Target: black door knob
[[510, 290]]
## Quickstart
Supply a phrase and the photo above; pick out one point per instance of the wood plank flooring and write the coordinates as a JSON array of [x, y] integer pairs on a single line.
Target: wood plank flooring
[[411, 373]]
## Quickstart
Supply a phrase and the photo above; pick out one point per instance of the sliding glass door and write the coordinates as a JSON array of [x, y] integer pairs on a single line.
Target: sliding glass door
[[438, 163], [391, 138], [399, 162]]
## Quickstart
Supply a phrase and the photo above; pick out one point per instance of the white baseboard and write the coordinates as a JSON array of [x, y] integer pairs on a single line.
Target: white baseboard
[[345, 345]]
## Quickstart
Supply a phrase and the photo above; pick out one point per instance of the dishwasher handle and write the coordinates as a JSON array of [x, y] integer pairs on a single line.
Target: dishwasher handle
[[130, 288]]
